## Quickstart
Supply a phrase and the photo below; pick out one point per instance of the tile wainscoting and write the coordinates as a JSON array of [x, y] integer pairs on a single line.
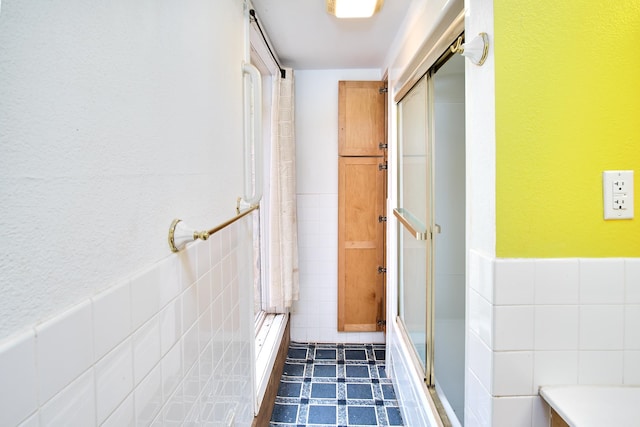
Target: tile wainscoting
[[536, 322], [167, 346], [314, 318]]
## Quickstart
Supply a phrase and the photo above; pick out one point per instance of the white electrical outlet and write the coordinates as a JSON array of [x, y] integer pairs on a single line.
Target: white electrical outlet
[[617, 190]]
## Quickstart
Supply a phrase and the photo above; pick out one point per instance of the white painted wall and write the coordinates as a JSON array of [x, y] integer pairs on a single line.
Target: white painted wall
[[315, 315], [115, 118]]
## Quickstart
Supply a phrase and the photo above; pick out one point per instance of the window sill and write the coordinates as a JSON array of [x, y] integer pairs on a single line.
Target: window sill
[[268, 339]]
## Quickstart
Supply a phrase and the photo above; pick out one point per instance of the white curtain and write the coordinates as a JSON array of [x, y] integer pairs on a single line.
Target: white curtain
[[283, 228]]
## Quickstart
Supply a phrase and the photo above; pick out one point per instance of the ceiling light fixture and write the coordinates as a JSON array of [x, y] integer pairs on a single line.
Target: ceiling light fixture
[[353, 8]]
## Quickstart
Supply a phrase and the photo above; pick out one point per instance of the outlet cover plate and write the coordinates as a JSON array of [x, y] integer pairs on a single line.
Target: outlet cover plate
[[617, 190]]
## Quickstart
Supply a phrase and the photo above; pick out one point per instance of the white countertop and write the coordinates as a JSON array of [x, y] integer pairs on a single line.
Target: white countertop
[[586, 406]]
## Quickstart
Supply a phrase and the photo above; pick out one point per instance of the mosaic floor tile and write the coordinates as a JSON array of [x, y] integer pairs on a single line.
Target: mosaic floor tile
[[358, 371], [322, 414], [289, 389], [297, 353], [355, 354], [323, 391], [293, 369], [362, 416], [394, 417], [285, 413], [388, 392], [359, 391], [323, 353], [341, 385], [324, 371]]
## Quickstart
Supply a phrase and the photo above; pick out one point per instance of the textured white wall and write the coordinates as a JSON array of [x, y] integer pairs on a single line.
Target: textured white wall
[[115, 117]]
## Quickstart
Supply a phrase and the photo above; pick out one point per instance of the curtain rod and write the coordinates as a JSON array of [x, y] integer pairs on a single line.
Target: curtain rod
[[283, 72]]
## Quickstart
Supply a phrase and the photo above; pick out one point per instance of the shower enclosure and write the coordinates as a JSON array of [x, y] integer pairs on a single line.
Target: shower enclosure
[[431, 217]]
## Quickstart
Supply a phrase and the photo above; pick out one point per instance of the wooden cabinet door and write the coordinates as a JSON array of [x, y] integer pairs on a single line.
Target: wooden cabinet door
[[361, 118], [361, 201]]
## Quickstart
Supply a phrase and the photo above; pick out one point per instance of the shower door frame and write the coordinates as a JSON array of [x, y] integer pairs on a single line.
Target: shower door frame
[[426, 233]]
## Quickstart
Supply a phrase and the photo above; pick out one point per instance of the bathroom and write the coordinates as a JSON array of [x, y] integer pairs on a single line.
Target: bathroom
[[118, 117]]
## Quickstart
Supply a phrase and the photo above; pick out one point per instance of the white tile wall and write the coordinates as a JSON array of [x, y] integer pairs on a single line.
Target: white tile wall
[[314, 316], [478, 402], [480, 317], [481, 274], [32, 421], [554, 367], [557, 281], [632, 327], [74, 405], [480, 360], [512, 411], [513, 327], [114, 379], [123, 415], [541, 413], [601, 327], [512, 373], [109, 330], [602, 281], [631, 367], [552, 321], [632, 281], [600, 367], [64, 349], [169, 343], [514, 282], [557, 327], [543, 322], [18, 388]]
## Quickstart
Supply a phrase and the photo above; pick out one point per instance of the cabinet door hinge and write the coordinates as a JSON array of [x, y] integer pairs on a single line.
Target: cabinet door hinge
[[383, 90], [381, 323], [383, 146], [382, 218], [382, 269], [382, 166]]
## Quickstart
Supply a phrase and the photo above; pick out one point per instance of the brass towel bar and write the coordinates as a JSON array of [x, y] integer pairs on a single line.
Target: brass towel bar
[[180, 234]]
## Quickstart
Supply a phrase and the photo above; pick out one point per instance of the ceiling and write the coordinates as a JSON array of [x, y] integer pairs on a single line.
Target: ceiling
[[305, 36]]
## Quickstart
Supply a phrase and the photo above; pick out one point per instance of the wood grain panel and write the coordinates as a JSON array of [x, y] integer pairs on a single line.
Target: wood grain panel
[[361, 198], [361, 113]]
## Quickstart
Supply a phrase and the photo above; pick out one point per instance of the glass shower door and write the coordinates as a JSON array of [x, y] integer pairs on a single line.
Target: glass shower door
[[413, 219], [431, 235], [448, 110]]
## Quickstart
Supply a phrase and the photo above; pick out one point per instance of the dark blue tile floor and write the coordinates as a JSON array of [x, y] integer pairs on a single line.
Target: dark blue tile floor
[[341, 385]]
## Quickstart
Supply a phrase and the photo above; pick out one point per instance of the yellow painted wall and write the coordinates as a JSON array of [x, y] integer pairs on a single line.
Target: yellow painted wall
[[567, 108]]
